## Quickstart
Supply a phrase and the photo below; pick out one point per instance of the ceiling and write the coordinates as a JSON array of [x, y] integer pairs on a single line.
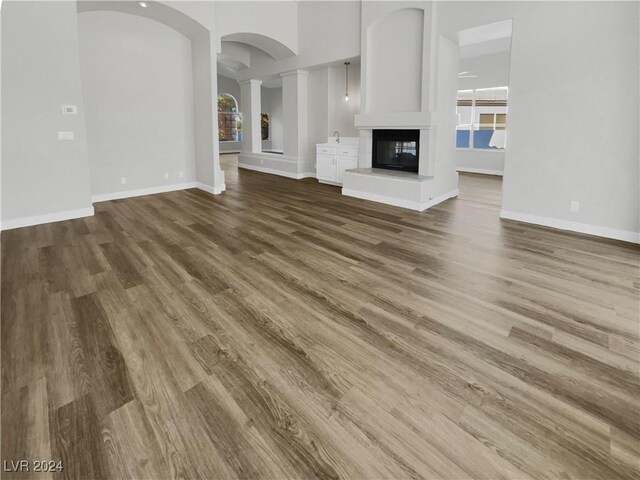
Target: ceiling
[[485, 39]]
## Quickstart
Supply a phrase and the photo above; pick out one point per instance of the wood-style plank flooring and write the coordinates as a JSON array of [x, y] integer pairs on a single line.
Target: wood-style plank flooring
[[282, 331]]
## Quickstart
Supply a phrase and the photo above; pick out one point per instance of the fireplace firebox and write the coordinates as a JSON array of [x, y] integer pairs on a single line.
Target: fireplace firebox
[[396, 150]]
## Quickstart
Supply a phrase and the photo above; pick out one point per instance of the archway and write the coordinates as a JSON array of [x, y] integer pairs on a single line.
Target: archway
[[271, 46], [194, 20]]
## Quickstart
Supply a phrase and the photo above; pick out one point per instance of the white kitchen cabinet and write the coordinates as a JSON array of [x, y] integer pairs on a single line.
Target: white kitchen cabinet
[[344, 163], [325, 167], [332, 160]]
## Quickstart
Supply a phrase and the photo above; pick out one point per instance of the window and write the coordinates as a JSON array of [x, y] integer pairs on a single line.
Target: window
[[229, 119], [482, 118]]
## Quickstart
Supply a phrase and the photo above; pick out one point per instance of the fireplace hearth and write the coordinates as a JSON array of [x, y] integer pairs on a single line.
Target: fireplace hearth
[[396, 150]]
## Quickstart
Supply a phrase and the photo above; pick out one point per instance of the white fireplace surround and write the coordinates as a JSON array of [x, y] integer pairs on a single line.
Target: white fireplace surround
[[419, 99], [426, 160], [415, 191]]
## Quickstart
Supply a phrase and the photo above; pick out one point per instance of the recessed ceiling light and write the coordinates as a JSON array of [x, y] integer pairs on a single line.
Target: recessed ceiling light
[[463, 73], [143, 4]]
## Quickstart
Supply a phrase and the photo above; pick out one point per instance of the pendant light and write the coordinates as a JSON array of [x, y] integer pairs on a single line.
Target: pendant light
[[346, 82]]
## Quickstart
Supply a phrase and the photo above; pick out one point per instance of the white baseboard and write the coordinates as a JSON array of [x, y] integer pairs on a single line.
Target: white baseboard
[[398, 202], [329, 182], [104, 197], [210, 189], [47, 218], [484, 171], [624, 235], [440, 199], [273, 171]]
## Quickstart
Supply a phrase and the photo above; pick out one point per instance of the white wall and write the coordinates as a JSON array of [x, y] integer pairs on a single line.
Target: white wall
[[328, 31], [41, 176], [395, 62], [138, 91], [445, 178], [573, 111], [341, 114], [492, 71], [318, 112]]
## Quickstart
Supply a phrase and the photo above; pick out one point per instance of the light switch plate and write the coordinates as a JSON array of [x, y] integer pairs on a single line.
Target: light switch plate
[[69, 110], [66, 135]]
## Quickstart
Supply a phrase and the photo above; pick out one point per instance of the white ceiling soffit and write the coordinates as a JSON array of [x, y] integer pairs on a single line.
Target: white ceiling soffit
[[272, 82], [485, 33], [237, 51], [486, 48], [485, 39], [226, 71], [230, 65], [277, 50]]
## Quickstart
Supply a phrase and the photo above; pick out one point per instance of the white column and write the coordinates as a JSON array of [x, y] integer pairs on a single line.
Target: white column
[[251, 110], [294, 115]]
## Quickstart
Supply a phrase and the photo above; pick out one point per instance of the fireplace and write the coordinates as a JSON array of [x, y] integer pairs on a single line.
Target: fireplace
[[396, 150]]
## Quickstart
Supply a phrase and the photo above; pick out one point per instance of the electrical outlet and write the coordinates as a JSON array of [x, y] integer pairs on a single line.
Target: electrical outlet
[[123, 180], [180, 174], [575, 206], [166, 176]]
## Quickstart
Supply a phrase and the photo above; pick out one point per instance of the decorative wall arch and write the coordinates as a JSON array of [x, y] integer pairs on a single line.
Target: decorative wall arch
[[271, 46], [194, 21], [158, 11]]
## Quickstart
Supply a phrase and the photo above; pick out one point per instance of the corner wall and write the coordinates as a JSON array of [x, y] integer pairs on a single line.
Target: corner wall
[[138, 89], [573, 112], [43, 179], [574, 119]]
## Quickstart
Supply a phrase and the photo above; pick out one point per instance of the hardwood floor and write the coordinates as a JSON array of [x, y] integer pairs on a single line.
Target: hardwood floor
[[281, 330]]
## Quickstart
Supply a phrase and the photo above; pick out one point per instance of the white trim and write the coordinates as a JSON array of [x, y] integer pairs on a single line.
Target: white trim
[[210, 189], [273, 171], [484, 171], [47, 218], [398, 202], [394, 120], [440, 199], [105, 197], [396, 176], [250, 81], [294, 72], [329, 182], [624, 235], [481, 150]]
